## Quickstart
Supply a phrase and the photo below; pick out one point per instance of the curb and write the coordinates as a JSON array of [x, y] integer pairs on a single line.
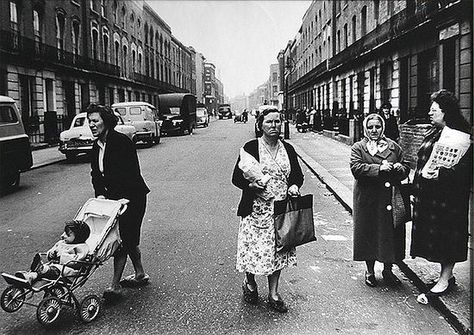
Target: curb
[[34, 167], [345, 198]]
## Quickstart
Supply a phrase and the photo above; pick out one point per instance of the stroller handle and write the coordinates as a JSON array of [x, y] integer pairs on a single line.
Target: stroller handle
[[124, 203]]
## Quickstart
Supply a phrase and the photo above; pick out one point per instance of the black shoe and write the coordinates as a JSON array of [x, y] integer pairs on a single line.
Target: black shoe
[[250, 296], [370, 279], [390, 278], [451, 283], [277, 305]]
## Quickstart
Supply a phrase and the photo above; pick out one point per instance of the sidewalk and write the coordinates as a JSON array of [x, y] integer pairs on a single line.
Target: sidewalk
[[46, 156], [329, 160]]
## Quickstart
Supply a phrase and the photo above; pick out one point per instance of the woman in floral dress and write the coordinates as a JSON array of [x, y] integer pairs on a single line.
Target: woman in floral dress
[[256, 249]]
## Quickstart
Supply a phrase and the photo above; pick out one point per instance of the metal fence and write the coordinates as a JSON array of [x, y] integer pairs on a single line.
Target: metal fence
[[46, 128]]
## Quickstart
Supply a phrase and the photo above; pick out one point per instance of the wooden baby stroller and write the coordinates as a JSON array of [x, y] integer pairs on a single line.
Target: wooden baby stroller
[[102, 217]]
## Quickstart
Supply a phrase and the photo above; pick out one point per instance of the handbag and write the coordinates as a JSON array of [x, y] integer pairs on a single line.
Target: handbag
[[293, 220], [401, 204]]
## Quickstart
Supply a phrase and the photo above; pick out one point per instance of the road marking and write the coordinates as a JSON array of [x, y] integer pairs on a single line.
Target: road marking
[[334, 237]]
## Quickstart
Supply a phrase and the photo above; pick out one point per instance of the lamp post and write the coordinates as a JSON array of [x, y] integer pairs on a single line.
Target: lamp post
[[286, 124]]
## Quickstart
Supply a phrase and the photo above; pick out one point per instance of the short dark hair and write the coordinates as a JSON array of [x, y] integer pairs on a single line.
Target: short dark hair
[[386, 105], [264, 113], [105, 112], [80, 229], [449, 104]]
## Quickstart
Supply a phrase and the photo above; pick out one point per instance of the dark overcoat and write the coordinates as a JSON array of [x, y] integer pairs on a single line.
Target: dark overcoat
[[375, 237], [441, 208]]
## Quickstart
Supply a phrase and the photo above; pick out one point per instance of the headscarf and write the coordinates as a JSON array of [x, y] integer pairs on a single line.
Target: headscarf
[[380, 144]]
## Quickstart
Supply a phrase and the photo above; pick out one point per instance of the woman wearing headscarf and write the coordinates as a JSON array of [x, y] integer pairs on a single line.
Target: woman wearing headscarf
[[378, 167], [441, 207]]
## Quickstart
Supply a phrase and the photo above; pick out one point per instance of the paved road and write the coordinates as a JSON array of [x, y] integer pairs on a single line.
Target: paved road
[[189, 239]]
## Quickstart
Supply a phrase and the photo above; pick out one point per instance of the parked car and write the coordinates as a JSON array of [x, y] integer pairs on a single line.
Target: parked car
[[15, 150], [202, 117], [79, 139], [177, 112], [144, 117], [224, 111]]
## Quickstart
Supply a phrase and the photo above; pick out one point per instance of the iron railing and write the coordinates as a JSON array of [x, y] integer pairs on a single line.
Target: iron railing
[[46, 129]]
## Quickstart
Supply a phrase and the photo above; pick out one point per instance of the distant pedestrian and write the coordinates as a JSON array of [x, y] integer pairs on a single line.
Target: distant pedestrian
[[378, 167], [441, 207], [279, 175], [391, 124], [116, 175]]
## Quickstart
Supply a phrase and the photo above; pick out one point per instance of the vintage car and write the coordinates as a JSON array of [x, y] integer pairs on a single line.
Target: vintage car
[[202, 117], [15, 150], [144, 117], [224, 111], [78, 138], [177, 112]]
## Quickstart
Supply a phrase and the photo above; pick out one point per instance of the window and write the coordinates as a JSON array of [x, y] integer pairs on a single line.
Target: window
[[122, 18], [135, 110], [363, 21], [79, 122], [133, 61], [122, 111], [7, 115], [376, 10], [115, 9], [124, 60], [60, 33], [13, 13], [117, 51], [75, 37], [354, 29], [338, 41], [105, 44], [95, 43], [346, 42], [37, 30]]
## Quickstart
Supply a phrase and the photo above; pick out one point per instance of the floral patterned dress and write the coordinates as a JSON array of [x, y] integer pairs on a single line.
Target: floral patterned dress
[[256, 251]]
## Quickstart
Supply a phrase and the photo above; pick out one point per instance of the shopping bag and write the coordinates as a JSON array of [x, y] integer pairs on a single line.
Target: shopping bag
[[293, 220]]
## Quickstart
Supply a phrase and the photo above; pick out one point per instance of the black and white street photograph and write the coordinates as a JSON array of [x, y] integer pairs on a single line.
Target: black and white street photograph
[[214, 167]]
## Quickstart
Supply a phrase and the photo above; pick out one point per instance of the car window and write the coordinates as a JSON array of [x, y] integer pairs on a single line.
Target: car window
[[7, 115], [79, 122], [135, 110], [201, 112], [174, 110], [121, 111]]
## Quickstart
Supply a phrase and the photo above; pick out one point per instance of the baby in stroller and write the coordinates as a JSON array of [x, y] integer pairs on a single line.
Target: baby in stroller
[[71, 247]]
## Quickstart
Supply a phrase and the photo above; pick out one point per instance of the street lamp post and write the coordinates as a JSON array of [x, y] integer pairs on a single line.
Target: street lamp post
[[286, 124]]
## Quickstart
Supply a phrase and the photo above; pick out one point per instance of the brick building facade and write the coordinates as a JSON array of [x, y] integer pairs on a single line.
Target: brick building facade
[[58, 56], [351, 56]]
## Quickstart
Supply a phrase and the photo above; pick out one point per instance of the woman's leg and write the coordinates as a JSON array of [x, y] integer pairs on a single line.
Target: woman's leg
[[273, 280], [445, 275], [370, 267], [120, 259], [388, 275], [136, 258]]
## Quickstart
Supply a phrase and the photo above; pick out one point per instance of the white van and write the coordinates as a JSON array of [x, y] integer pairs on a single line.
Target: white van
[[144, 117], [15, 150]]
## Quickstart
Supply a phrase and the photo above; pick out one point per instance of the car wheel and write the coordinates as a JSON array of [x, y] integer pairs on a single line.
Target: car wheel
[[71, 156], [9, 177]]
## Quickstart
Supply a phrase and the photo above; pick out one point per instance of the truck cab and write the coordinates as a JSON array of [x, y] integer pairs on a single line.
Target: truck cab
[[15, 150]]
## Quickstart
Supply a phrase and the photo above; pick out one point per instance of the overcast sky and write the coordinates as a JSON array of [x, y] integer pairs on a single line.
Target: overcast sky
[[241, 38]]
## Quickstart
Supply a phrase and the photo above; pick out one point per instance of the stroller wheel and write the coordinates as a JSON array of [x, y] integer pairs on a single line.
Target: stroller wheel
[[12, 299], [56, 291], [48, 310], [90, 307]]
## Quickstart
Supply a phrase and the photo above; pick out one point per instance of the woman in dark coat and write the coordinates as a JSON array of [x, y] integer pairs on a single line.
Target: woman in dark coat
[[281, 176], [440, 212], [378, 167], [116, 175]]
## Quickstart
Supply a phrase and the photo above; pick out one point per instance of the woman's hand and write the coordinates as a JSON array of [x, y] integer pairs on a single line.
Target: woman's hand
[[256, 186], [398, 166], [293, 191], [100, 197], [386, 166]]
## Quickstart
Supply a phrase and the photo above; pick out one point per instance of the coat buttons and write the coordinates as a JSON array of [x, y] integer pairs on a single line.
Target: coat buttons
[[387, 184], [389, 207]]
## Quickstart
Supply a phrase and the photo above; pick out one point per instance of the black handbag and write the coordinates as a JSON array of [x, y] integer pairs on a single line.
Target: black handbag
[[402, 204], [294, 223]]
